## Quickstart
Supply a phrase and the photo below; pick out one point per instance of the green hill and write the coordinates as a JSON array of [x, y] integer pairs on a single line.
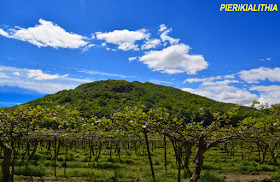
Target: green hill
[[102, 98]]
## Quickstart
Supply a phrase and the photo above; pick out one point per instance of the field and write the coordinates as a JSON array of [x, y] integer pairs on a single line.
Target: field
[[131, 163]]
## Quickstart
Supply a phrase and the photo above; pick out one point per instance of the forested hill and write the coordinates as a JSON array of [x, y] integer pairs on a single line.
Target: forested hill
[[102, 98]]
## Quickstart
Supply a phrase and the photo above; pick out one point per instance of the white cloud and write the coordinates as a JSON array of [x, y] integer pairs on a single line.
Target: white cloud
[[162, 27], [266, 59], [2, 75], [219, 88], [266, 88], [195, 80], [103, 73], [209, 80], [16, 73], [125, 39], [39, 75], [132, 58], [204, 93], [260, 74], [222, 91], [269, 94], [149, 44], [86, 48], [37, 80], [229, 76], [174, 59], [225, 93], [46, 34], [223, 82], [3, 33], [159, 82], [237, 96], [165, 37], [271, 98]]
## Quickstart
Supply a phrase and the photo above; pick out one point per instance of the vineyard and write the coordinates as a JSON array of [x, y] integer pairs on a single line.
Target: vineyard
[[46, 143]]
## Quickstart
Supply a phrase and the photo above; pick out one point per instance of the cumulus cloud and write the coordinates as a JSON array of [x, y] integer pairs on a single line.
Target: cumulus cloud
[[46, 34], [132, 58], [269, 94], [260, 74], [103, 73], [269, 88], [125, 39], [174, 59], [162, 27], [224, 93], [209, 80], [271, 98], [86, 48], [229, 76], [149, 44], [161, 82], [37, 80], [196, 80], [17, 73], [220, 88], [40, 75], [165, 37], [223, 82]]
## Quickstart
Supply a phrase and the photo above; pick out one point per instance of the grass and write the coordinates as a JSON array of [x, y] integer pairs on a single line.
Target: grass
[[136, 167], [31, 170], [276, 176]]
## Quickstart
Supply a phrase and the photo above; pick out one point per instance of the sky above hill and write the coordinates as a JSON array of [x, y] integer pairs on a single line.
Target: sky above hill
[[49, 46]]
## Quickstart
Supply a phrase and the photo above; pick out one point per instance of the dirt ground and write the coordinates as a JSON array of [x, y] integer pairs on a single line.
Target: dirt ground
[[262, 177]]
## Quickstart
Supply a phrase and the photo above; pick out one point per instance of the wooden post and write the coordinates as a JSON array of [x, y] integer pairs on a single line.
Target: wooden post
[[165, 161], [55, 156], [149, 154]]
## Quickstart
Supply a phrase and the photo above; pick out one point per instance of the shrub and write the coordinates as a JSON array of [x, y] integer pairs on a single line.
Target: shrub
[[164, 178], [105, 165], [210, 166], [33, 170], [276, 176]]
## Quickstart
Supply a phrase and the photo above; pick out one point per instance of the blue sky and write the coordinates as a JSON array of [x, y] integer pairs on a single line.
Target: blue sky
[[54, 45]]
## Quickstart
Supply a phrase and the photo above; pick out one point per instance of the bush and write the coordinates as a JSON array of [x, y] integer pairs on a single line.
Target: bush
[[118, 174], [163, 178], [117, 160], [105, 165], [60, 159], [33, 170], [276, 176], [38, 157], [210, 166]]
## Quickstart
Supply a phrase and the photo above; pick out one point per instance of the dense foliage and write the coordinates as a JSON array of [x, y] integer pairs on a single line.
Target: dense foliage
[[103, 98]]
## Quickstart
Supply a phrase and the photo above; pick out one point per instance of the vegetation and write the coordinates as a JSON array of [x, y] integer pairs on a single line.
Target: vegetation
[[153, 143], [103, 98]]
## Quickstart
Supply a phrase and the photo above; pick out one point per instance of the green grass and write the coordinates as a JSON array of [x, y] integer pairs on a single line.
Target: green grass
[[33, 170], [136, 167]]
